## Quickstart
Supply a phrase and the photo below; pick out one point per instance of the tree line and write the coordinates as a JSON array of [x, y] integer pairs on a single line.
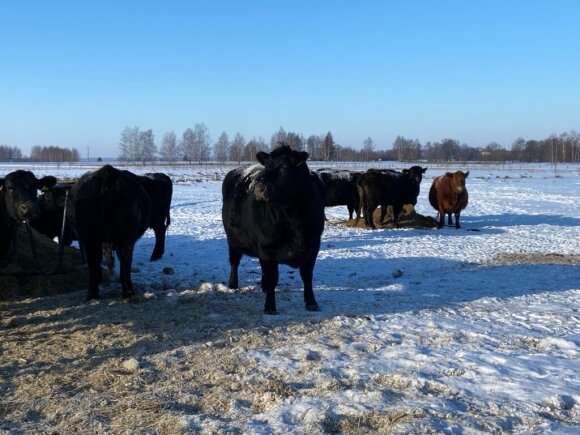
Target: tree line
[[195, 145], [39, 154]]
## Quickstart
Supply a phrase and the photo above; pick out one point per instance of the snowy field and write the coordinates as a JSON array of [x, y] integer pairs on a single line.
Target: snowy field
[[474, 330]]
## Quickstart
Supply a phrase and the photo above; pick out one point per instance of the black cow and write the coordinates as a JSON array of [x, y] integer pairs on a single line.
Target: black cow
[[341, 189], [384, 188], [52, 203], [110, 206], [275, 213], [159, 187], [18, 202]]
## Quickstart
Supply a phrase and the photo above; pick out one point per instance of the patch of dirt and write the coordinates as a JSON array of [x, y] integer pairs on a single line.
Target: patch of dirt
[[537, 258], [21, 278], [408, 218]]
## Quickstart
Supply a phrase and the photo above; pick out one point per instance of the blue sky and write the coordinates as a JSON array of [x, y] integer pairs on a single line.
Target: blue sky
[[74, 73]]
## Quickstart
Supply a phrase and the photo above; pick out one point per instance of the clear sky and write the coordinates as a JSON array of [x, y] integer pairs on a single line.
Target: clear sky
[[75, 73]]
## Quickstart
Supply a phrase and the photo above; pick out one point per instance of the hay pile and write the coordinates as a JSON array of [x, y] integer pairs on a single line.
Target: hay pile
[[409, 218], [20, 278]]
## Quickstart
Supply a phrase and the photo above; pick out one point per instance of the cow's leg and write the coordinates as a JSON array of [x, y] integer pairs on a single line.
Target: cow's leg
[[235, 257], [457, 213], [306, 273], [383, 213], [449, 219], [93, 259], [361, 205], [356, 206], [441, 223], [159, 248], [369, 216], [108, 258], [125, 255], [350, 211], [269, 282], [397, 208]]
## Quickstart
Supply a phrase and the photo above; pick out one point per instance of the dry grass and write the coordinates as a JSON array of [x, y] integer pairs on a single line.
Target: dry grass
[[537, 258], [409, 218]]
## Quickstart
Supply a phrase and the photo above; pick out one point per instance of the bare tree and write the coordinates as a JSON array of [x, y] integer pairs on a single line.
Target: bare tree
[[368, 148], [169, 150], [328, 147], [220, 148], [253, 147], [187, 145], [54, 154], [8, 154], [236, 148], [202, 141], [278, 137], [313, 147]]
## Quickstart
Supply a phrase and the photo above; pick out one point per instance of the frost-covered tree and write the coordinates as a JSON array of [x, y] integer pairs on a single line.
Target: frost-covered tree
[[169, 151], [147, 146], [129, 145]]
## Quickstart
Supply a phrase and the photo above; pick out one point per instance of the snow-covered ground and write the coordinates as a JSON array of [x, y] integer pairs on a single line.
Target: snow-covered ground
[[474, 330]]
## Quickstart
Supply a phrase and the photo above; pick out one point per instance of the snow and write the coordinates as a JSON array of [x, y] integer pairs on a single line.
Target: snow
[[459, 341]]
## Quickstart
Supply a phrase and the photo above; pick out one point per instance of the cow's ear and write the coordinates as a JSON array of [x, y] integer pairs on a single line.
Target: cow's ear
[[424, 170], [302, 156], [46, 183], [262, 157], [467, 174]]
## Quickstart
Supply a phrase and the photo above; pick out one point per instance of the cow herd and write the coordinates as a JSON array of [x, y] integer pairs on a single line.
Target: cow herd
[[273, 210]]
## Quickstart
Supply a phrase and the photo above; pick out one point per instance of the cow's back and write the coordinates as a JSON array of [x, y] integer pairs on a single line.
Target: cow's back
[[111, 206], [159, 187]]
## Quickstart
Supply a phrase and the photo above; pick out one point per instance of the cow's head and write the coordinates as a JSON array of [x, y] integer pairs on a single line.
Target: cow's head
[[415, 174], [285, 172], [458, 181], [20, 196]]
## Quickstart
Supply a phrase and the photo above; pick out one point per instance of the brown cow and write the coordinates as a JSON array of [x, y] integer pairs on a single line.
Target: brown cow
[[448, 194]]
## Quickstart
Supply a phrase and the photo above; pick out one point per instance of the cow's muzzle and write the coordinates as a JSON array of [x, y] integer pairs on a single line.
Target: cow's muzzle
[[27, 211], [260, 191]]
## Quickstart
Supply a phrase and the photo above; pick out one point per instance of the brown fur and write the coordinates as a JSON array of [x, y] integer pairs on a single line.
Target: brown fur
[[448, 195]]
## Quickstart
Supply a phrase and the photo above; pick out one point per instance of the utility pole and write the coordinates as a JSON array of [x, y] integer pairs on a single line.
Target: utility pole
[[88, 154]]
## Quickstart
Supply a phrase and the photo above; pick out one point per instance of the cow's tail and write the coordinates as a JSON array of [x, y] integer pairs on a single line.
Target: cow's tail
[[168, 219]]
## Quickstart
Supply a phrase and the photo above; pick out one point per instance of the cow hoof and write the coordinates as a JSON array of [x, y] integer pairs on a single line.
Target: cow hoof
[[155, 258], [270, 312], [312, 307]]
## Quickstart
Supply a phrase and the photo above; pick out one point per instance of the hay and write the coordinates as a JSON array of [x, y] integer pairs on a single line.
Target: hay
[[20, 278], [408, 218]]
